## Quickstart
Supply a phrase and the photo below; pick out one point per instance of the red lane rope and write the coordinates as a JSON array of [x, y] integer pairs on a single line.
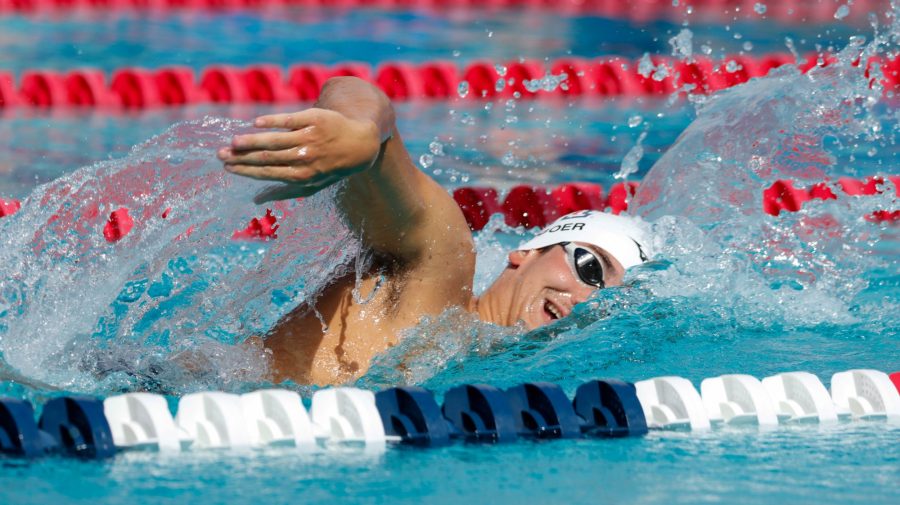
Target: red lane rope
[[532, 206], [139, 88], [782, 10]]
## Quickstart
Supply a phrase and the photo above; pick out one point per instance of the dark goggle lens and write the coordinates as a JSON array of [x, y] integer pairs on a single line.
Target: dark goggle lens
[[588, 267]]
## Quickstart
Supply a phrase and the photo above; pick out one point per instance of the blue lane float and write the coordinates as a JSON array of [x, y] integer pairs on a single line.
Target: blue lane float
[[482, 412], [19, 433], [610, 408], [78, 426], [542, 410], [412, 414]]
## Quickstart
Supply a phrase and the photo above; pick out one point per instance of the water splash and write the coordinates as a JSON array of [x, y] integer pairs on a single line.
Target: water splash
[[796, 291], [81, 313]]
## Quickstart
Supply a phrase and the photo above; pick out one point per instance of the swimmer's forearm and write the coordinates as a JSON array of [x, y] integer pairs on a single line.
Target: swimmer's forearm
[[392, 205]]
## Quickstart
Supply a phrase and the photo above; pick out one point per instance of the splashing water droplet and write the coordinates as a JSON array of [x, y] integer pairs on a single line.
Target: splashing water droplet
[[682, 44], [842, 12], [630, 162], [463, 89], [645, 65]]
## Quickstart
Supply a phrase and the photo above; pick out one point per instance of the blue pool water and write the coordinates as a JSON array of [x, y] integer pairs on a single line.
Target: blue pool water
[[737, 291]]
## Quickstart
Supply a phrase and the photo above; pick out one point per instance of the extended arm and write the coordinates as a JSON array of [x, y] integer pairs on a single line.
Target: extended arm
[[351, 134]]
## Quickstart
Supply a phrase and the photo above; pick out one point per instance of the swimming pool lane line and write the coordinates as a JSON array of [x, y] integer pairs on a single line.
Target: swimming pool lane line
[[786, 11], [89, 428], [533, 206], [135, 88]]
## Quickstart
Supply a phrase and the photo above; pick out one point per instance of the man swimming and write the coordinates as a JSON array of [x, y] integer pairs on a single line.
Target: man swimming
[[423, 247]]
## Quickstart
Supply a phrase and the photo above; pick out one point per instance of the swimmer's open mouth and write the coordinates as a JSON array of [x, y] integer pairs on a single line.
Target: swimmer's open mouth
[[553, 311]]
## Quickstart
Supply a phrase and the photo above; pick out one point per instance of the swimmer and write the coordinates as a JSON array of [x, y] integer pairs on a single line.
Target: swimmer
[[425, 255]]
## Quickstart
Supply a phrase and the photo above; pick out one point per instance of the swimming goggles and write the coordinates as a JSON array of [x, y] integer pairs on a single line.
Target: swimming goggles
[[585, 264]]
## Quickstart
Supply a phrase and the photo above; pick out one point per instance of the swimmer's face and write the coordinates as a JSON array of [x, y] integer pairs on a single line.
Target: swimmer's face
[[542, 285]]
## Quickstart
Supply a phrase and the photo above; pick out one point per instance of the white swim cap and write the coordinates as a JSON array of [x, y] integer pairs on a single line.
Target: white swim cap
[[621, 236]]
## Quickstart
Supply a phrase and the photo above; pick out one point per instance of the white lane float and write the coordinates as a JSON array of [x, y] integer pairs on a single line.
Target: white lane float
[[213, 420], [276, 417], [865, 394], [348, 415], [737, 399], [800, 397], [143, 421], [671, 403]]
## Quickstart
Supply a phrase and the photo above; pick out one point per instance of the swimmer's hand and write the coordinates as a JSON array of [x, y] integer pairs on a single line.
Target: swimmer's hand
[[319, 148]]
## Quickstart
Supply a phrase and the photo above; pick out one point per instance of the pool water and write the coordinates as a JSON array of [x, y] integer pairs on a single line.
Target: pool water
[[734, 291]]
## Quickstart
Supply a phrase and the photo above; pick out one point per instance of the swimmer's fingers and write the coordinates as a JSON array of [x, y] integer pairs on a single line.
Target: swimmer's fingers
[[290, 121], [268, 141], [295, 156]]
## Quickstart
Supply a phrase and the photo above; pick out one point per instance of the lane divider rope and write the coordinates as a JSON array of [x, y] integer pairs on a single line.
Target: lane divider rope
[[533, 206], [91, 428], [796, 11], [139, 88]]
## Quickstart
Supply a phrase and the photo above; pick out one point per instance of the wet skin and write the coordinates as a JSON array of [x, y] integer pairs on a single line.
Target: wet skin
[[411, 223]]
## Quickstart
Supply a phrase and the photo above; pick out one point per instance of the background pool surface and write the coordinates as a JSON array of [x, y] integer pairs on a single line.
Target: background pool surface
[[739, 292]]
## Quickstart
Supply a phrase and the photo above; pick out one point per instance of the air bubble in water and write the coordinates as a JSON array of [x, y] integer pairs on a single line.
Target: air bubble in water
[[509, 159], [463, 89], [842, 12], [705, 49], [426, 160], [732, 66], [501, 70], [436, 148], [760, 8], [501, 83], [635, 120]]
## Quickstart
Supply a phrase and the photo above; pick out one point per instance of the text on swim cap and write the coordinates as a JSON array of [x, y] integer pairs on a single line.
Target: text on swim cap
[[562, 227]]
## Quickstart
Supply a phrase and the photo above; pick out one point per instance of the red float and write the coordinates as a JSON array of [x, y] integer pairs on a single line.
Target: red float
[[9, 97], [225, 84], [118, 225], [477, 205], [87, 88], [263, 228], [400, 81], [10, 207], [266, 84], [136, 88], [44, 88], [178, 86]]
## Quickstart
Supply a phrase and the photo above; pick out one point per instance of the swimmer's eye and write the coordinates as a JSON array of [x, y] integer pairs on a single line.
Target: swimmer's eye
[[585, 264]]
